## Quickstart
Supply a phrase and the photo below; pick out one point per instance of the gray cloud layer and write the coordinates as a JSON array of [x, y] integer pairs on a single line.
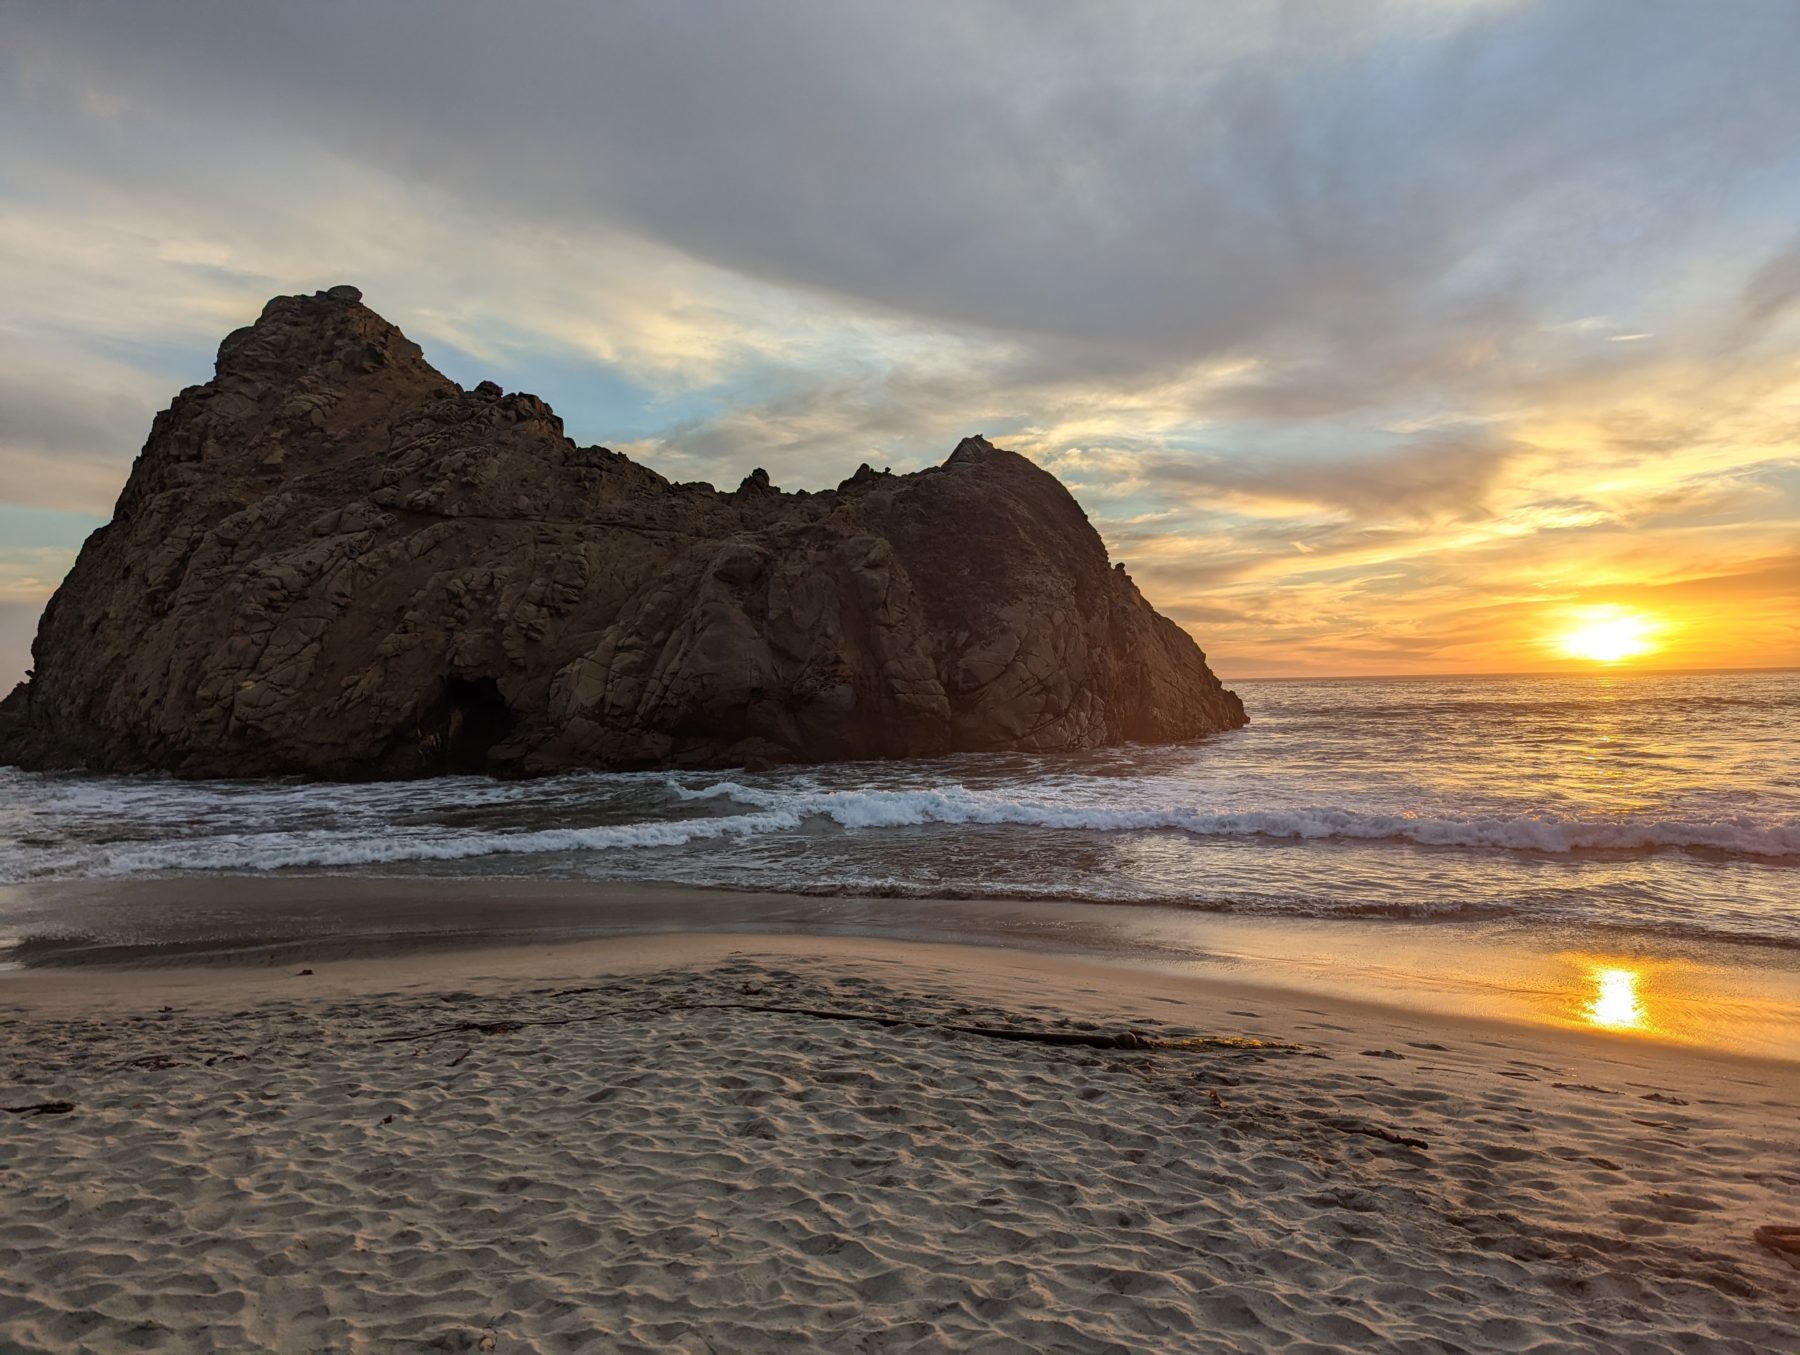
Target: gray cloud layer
[[1352, 271], [1136, 187]]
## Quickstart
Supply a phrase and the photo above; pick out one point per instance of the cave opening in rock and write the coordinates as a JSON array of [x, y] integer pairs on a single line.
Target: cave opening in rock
[[476, 717]]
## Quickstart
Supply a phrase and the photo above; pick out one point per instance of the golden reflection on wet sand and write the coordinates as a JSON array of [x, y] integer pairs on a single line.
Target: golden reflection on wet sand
[[1734, 999], [1744, 1009], [1615, 1003]]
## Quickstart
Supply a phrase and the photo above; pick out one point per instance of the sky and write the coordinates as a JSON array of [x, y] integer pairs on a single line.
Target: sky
[[1391, 337]]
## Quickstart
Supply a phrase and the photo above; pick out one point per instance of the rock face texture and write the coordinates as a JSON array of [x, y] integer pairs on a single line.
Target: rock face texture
[[331, 560]]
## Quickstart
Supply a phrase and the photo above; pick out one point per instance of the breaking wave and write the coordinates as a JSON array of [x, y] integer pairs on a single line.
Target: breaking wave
[[1538, 833], [787, 809], [282, 851]]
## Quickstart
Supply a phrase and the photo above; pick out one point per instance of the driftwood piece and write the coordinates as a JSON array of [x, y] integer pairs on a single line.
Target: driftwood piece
[[472, 1028], [1375, 1131], [41, 1108], [1125, 1039]]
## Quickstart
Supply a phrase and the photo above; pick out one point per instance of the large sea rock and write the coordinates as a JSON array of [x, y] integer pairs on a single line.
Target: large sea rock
[[332, 560]]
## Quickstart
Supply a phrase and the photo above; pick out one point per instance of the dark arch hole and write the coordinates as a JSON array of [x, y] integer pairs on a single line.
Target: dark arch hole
[[475, 720]]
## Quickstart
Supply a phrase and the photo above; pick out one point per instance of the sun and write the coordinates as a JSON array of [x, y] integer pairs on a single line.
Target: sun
[[1609, 635]]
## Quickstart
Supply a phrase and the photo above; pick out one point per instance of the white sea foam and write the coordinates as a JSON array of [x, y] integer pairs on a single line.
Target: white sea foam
[[284, 850], [785, 809], [352, 839], [858, 809]]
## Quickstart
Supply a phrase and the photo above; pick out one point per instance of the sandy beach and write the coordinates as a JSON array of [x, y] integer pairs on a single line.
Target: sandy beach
[[729, 1143]]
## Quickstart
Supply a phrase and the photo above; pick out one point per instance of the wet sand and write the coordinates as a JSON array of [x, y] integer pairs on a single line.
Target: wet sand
[[699, 1142], [1732, 998]]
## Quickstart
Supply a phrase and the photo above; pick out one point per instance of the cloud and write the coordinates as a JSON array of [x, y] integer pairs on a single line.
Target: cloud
[[67, 437], [1771, 291], [1146, 191], [1439, 475], [1321, 310]]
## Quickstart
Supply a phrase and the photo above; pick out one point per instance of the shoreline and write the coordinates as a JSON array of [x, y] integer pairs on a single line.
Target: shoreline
[[1726, 998], [753, 1142]]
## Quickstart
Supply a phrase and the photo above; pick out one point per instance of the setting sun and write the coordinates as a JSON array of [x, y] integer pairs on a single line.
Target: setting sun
[[1609, 635]]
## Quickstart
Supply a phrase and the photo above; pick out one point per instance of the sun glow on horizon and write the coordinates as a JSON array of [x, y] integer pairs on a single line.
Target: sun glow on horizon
[[1609, 635]]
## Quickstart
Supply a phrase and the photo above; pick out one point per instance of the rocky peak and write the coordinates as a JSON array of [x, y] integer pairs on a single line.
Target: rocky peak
[[329, 335], [331, 560], [756, 485], [972, 450]]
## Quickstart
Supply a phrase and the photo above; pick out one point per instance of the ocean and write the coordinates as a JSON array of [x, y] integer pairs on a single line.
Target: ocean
[[1613, 802]]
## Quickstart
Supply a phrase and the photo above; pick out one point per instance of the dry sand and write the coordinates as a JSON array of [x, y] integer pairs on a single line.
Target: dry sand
[[606, 1147]]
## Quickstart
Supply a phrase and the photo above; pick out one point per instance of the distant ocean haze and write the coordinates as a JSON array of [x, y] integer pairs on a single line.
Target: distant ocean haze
[[1664, 804]]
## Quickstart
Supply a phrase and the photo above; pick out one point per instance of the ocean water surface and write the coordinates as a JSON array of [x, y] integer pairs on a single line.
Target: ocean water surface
[[1664, 805]]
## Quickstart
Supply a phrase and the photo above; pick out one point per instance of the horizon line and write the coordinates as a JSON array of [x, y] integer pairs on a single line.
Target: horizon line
[[1596, 671]]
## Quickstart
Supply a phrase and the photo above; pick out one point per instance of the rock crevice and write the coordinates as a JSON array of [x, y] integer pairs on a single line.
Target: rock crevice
[[331, 560]]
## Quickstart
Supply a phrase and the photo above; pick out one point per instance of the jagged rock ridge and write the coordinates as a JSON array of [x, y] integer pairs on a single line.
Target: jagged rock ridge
[[332, 560]]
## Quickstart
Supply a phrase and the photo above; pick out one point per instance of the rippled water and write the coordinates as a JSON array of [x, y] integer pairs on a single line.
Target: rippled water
[[1664, 803]]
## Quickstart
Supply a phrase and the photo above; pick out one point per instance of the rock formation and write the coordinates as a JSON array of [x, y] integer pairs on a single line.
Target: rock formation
[[331, 560]]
